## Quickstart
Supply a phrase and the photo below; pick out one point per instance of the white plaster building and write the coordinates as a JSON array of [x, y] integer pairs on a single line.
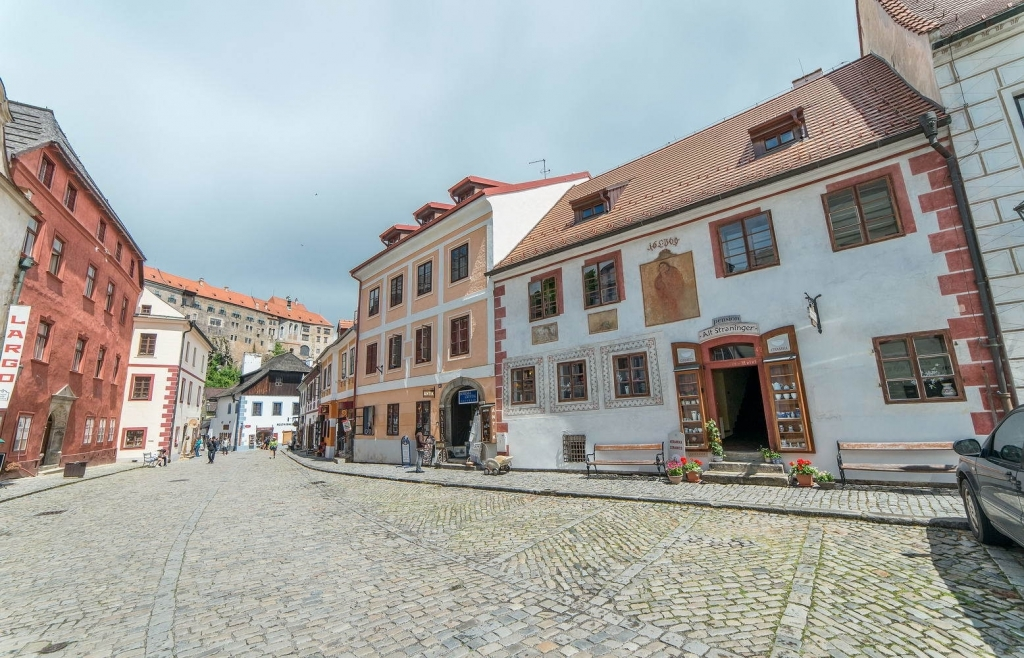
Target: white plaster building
[[671, 290], [163, 397], [16, 211], [263, 404]]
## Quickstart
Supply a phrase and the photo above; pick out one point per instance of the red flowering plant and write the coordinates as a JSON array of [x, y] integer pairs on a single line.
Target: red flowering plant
[[692, 465], [802, 467], [674, 468]]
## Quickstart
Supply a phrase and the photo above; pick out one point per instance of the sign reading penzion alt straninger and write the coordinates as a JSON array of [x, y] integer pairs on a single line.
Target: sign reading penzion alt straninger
[[10, 356]]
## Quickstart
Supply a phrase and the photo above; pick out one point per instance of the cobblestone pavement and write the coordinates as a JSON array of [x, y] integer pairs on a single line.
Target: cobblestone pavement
[[911, 505], [252, 556], [29, 485]]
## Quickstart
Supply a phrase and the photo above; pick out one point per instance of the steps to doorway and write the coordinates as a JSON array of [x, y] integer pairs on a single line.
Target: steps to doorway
[[745, 472]]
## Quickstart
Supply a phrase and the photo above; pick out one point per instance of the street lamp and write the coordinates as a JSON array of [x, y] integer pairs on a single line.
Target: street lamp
[[1019, 209]]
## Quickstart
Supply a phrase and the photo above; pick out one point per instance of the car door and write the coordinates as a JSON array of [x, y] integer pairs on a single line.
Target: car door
[[999, 476]]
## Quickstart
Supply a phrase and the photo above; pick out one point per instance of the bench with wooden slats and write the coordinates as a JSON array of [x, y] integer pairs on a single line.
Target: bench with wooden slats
[[899, 468], [657, 460]]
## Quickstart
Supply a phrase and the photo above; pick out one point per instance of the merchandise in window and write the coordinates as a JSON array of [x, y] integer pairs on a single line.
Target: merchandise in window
[[524, 386], [631, 375], [572, 381], [918, 368]]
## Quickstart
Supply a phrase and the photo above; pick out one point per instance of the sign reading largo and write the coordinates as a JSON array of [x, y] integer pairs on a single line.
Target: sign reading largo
[[10, 357]]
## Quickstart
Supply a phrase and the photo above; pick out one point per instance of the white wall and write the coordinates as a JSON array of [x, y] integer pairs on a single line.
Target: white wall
[[518, 212], [281, 422]]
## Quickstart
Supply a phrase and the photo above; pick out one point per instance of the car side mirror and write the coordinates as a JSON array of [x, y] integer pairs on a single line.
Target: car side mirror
[[967, 447]]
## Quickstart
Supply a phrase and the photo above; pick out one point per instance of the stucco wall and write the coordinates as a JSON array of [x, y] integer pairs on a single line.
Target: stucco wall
[[908, 53]]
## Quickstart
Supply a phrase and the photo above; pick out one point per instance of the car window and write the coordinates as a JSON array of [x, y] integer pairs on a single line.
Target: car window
[[1008, 443]]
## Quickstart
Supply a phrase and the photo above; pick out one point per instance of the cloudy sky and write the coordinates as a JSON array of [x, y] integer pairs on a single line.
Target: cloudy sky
[[265, 145]]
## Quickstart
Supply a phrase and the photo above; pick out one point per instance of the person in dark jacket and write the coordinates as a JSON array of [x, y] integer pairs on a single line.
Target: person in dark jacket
[[211, 449]]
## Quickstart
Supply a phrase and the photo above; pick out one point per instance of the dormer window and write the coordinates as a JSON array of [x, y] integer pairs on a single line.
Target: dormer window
[[469, 186], [594, 210], [396, 234], [430, 211], [781, 131]]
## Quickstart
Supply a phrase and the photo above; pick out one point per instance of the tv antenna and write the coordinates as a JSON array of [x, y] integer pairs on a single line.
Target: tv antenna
[[543, 166]]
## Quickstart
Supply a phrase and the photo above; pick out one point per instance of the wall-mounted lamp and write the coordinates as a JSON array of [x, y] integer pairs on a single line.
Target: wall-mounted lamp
[[1019, 209], [812, 311], [380, 369]]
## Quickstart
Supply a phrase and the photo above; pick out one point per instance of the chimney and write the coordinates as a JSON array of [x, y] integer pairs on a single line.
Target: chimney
[[201, 281], [251, 363], [810, 77], [289, 300]]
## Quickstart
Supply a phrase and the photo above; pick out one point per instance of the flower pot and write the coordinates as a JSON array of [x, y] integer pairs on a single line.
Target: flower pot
[[692, 476], [717, 458], [777, 460], [804, 480], [675, 479], [826, 485]]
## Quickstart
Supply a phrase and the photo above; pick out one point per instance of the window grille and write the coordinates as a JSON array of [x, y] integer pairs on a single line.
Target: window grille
[[574, 448]]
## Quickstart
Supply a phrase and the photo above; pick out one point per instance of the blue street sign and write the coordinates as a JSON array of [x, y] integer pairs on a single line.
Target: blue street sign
[[468, 397]]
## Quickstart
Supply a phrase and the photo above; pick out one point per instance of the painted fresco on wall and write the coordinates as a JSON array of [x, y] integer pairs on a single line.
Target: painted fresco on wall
[[670, 288]]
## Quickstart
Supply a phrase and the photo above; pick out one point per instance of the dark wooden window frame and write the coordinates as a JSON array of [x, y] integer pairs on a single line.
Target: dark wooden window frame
[[147, 344], [31, 236], [90, 280], [458, 264], [586, 384], [46, 170], [134, 388], [395, 351], [124, 438], [392, 419], [79, 354], [629, 370], [371, 358], [108, 304], [373, 301], [70, 197], [46, 336], [541, 279], [423, 416], [897, 192], [531, 397], [616, 258], [459, 345], [721, 270], [916, 365], [425, 278], [396, 287], [424, 344], [56, 263]]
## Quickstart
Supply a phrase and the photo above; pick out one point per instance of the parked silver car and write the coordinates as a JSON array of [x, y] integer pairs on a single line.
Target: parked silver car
[[990, 476]]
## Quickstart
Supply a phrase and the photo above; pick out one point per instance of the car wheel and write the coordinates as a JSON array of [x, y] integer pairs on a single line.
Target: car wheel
[[981, 527]]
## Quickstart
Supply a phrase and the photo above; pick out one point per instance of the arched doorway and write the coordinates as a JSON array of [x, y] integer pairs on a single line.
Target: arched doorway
[[739, 400], [47, 455], [460, 401]]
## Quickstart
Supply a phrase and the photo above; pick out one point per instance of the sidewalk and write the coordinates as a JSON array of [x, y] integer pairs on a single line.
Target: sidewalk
[[16, 488], [902, 505]]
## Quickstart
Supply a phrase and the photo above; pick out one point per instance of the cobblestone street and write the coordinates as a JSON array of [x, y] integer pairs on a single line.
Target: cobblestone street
[[253, 556]]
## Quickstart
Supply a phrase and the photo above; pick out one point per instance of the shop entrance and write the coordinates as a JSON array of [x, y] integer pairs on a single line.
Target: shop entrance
[[740, 409], [49, 456], [462, 421]]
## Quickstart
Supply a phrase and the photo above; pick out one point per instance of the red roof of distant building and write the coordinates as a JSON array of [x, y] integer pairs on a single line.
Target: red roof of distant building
[[946, 16]]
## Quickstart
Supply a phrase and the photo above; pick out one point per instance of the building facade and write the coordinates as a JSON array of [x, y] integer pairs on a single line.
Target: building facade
[[327, 396], [262, 406], [969, 55], [241, 323], [164, 396], [425, 353], [16, 211], [82, 294], [803, 282]]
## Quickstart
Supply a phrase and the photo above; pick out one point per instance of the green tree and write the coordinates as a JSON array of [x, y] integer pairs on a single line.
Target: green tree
[[278, 349], [221, 372]]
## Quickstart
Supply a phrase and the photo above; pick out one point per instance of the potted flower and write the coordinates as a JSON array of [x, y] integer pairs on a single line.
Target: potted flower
[[714, 441], [770, 456], [692, 468], [825, 480], [674, 470], [804, 473]]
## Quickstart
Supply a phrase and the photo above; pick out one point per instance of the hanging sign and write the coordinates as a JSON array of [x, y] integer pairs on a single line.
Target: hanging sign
[[812, 311], [10, 356], [468, 397]]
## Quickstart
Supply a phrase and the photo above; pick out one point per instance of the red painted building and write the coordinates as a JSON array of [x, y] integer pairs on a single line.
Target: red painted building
[[83, 292]]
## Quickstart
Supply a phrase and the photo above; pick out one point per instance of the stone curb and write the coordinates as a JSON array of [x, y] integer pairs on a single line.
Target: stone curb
[[950, 523], [66, 483]]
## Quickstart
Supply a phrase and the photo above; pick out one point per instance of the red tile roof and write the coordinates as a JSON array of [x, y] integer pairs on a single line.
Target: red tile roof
[[946, 16], [854, 106], [275, 306]]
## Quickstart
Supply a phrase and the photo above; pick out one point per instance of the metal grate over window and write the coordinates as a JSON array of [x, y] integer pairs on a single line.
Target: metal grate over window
[[574, 448]]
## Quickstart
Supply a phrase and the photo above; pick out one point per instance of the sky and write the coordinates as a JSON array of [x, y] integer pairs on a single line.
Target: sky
[[264, 146]]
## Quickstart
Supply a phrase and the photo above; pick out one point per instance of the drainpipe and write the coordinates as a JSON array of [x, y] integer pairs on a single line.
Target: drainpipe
[[177, 395], [929, 125]]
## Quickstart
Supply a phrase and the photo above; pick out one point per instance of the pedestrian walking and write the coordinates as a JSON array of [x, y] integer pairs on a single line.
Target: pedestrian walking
[[421, 449], [273, 448], [211, 449], [198, 447]]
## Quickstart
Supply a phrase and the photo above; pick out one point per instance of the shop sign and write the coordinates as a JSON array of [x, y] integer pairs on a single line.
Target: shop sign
[[10, 357], [728, 329], [325, 409], [468, 397], [429, 392]]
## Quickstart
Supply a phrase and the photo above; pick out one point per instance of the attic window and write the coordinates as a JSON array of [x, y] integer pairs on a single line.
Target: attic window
[[147, 309], [592, 205], [779, 132]]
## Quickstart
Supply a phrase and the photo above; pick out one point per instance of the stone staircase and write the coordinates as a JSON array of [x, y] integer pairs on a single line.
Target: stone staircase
[[744, 468]]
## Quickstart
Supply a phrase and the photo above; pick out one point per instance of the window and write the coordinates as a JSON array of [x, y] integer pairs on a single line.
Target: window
[[394, 352], [543, 298], [147, 345], [397, 290], [21, 436], [460, 336], [110, 431], [102, 431], [90, 281], [31, 233], [747, 244], [222, 312], [215, 322], [593, 211], [89, 424], [918, 368], [572, 381], [42, 339], [351, 361], [524, 386], [368, 420], [134, 439], [600, 282], [257, 408], [343, 371], [209, 309], [141, 388], [425, 277], [124, 310], [374, 304], [118, 251], [277, 408], [371, 358], [70, 197], [189, 398], [131, 272], [76, 361], [460, 262], [101, 231], [56, 255], [423, 416], [101, 354], [295, 408], [777, 132], [117, 365], [424, 342], [777, 140], [46, 169], [146, 310], [631, 375], [862, 213], [392, 420], [109, 303]]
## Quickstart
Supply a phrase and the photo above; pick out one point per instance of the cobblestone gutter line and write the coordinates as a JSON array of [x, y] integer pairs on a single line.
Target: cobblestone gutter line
[[63, 482], [789, 636], [951, 523]]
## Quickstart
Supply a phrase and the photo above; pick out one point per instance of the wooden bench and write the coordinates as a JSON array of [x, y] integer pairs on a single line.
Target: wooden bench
[[657, 460], [899, 468]]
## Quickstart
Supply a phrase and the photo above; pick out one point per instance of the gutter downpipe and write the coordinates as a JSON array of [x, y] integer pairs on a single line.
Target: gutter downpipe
[[929, 126], [177, 396]]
